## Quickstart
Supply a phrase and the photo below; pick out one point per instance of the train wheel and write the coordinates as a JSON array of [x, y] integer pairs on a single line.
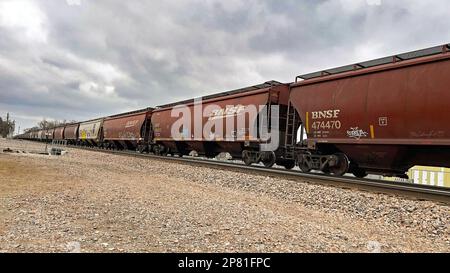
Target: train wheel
[[303, 160], [304, 167], [246, 158], [268, 159], [289, 165], [160, 150], [342, 165], [358, 172], [142, 149]]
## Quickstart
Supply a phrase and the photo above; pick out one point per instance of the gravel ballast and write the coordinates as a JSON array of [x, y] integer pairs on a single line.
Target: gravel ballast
[[95, 202]]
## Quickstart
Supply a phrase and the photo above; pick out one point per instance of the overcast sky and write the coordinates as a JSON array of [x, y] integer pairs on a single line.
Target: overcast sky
[[79, 59]]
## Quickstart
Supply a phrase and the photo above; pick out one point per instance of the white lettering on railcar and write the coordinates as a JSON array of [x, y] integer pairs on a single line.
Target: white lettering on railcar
[[131, 123], [228, 111], [325, 121], [356, 133], [325, 114], [247, 122]]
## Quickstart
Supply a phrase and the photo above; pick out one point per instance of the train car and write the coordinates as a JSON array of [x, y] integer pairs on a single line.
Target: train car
[[71, 133], [44, 135], [131, 130], [39, 135], [236, 138], [382, 116], [59, 133], [90, 132], [26, 136], [49, 134]]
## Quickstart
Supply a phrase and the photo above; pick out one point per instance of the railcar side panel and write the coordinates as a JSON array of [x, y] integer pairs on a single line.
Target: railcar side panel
[[71, 132], [383, 119], [90, 132], [58, 135], [128, 127], [222, 110]]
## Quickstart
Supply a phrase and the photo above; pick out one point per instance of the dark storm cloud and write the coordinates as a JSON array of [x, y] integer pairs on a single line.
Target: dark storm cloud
[[64, 61]]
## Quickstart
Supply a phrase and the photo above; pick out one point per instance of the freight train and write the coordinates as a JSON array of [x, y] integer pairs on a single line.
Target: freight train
[[382, 116]]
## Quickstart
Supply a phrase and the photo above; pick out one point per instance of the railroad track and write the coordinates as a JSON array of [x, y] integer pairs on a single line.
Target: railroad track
[[415, 191]]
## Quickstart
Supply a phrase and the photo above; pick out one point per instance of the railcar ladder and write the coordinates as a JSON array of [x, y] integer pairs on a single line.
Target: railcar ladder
[[292, 123]]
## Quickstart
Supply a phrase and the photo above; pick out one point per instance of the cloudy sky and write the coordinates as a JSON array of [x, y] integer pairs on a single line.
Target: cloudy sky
[[79, 59]]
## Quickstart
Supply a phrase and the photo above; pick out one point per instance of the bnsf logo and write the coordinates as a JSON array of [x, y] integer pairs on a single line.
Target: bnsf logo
[[325, 114], [131, 123], [228, 111]]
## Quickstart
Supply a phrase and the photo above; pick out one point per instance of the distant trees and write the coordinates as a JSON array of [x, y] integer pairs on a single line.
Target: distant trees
[[30, 129], [7, 126], [48, 124]]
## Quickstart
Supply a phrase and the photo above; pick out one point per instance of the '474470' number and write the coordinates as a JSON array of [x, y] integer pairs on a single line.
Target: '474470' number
[[331, 124]]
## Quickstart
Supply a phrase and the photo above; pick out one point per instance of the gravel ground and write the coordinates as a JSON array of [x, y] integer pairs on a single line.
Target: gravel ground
[[94, 202]]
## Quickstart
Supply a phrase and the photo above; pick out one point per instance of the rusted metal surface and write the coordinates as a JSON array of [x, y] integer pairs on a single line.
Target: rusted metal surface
[[269, 84], [127, 127], [71, 132], [59, 133], [90, 130], [226, 108], [391, 116]]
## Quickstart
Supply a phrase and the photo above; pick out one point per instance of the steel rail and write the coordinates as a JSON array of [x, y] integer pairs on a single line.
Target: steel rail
[[415, 191]]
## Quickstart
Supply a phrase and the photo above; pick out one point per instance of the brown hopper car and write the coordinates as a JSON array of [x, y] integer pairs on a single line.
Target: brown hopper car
[[71, 133], [59, 133], [383, 116], [128, 130], [239, 142]]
